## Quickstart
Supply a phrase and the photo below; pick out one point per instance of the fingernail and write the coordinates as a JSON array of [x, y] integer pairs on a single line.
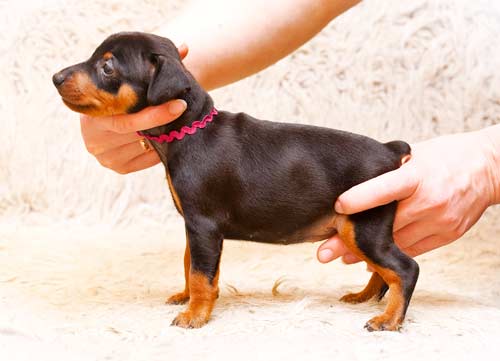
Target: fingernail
[[338, 207], [177, 107], [325, 255]]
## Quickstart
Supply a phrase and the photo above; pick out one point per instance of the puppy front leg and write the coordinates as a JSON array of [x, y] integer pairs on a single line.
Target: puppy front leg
[[183, 297], [205, 250]]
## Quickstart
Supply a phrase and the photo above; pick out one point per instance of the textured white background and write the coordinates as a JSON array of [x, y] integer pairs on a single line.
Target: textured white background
[[388, 69], [87, 256]]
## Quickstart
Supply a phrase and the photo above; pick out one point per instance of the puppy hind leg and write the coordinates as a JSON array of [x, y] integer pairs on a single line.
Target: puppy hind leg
[[369, 236], [401, 285], [375, 287]]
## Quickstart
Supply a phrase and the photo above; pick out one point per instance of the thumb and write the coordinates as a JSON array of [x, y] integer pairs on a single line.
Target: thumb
[[392, 186], [148, 117]]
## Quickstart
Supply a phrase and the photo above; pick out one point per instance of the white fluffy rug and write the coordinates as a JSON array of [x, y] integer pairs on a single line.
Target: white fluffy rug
[[87, 257], [80, 295]]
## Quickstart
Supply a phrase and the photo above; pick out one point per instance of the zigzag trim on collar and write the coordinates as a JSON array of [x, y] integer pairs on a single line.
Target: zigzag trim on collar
[[185, 130]]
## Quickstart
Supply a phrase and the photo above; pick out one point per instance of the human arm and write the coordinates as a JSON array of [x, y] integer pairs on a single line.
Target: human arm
[[442, 191], [228, 40]]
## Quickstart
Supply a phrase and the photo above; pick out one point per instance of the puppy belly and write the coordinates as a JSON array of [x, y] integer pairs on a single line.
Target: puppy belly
[[316, 231]]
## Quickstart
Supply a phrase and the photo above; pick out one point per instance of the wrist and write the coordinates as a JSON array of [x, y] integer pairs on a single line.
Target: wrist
[[490, 140]]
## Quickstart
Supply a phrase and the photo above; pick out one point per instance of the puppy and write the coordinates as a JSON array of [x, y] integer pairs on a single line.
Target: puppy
[[236, 177]]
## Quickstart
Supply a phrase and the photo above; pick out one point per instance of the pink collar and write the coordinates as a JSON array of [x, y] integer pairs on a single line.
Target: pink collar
[[178, 135]]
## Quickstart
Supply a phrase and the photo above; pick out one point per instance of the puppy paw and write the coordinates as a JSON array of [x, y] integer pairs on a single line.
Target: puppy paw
[[355, 297], [178, 299], [189, 320], [382, 323]]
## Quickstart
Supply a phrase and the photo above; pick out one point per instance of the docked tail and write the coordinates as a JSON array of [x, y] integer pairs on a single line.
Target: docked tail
[[401, 149]]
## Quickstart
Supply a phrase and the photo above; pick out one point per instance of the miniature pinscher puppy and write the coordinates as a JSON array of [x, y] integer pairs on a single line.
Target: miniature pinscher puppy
[[236, 177]]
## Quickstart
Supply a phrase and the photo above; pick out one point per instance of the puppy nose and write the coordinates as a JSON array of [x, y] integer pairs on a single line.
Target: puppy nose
[[58, 78]]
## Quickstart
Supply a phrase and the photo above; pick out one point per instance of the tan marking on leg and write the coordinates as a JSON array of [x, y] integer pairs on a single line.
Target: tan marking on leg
[[215, 282], [175, 196], [392, 317], [201, 302], [372, 289], [183, 297]]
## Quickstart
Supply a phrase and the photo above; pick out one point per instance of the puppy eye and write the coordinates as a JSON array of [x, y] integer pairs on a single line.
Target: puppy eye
[[107, 67]]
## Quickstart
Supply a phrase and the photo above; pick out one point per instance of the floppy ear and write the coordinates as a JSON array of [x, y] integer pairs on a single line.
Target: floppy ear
[[169, 80]]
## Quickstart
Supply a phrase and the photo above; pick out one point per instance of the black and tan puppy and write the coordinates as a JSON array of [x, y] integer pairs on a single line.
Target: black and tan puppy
[[238, 177]]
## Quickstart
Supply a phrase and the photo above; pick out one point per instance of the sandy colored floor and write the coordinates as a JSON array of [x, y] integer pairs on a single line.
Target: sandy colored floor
[[99, 295]]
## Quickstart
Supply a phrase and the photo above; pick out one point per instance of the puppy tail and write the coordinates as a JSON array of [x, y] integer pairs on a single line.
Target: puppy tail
[[401, 150]]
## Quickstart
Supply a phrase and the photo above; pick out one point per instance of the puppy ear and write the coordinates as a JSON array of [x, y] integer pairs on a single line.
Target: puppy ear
[[169, 80]]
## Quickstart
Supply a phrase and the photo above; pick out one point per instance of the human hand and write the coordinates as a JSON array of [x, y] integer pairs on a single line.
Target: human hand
[[442, 192], [114, 142]]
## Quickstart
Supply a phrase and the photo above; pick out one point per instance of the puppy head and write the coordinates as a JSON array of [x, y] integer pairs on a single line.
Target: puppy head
[[126, 73]]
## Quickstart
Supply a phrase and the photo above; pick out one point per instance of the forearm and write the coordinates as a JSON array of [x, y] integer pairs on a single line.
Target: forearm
[[230, 40], [492, 146]]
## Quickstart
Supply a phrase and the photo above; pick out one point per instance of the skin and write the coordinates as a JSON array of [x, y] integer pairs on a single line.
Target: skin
[[240, 43], [113, 141], [439, 202]]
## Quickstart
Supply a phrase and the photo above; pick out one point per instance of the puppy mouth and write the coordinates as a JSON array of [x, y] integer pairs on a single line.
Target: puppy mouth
[[80, 108], [73, 97]]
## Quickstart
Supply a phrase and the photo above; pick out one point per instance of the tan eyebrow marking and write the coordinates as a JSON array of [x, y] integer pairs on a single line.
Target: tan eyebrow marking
[[107, 55]]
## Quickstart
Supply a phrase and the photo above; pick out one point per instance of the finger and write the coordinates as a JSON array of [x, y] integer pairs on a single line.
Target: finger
[[396, 185], [412, 209], [406, 214], [183, 50], [119, 156], [350, 258], [425, 245], [415, 232], [331, 249], [141, 162], [108, 140], [149, 117]]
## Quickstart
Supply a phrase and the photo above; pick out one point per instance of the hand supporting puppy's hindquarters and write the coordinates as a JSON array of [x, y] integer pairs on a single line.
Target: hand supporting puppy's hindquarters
[[442, 192]]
